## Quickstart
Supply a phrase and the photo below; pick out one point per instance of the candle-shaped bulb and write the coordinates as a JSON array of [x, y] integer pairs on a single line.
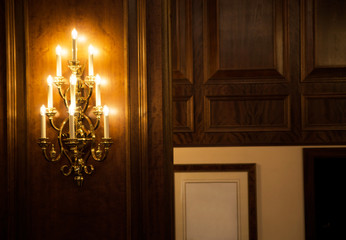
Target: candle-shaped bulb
[[105, 110], [50, 91], [98, 79], [49, 80], [71, 109], [74, 44], [74, 33], [43, 121], [91, 60], [73, 82], [58, 50], [71, 121], [106, 122], [43, 110], [91, 49], [97, 90]]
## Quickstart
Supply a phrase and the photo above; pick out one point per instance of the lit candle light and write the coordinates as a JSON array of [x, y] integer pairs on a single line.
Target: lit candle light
[[50, 91], [43, 121], [98, 94], [71, 121], [74, 44], [58, 61], [106, 121], [91, 60], [73, 82]]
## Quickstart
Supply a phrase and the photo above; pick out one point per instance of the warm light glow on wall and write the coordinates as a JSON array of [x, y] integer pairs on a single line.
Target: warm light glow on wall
[[77, 134]]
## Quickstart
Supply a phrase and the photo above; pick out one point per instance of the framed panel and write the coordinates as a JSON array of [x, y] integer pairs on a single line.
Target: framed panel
[[323, 45], [247, 113], [183, 114], [215, 202], [324, 112], [182, 42], [252, 48]]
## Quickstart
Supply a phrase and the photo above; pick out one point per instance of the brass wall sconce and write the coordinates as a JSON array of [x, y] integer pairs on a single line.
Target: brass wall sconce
[[76, 135]]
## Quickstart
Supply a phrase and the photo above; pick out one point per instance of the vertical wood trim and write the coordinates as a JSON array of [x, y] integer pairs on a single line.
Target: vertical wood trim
[[11, 112], [167, 117], [16, 116], [143, 117], [128, 122]]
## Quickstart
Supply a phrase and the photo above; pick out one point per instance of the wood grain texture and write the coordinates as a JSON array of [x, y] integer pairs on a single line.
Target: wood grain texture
[[244, 40], [183, 114], [241, 83], [265, 73], [246, 114], [3, 160], [323, 45], [158, 170], [182, 41], [182, 66]]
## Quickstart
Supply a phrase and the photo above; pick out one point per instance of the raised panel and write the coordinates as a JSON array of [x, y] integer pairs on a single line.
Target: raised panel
[[246, 113], [245, 40], [183, 114], [323, 40], [324, 112], [182, 41]]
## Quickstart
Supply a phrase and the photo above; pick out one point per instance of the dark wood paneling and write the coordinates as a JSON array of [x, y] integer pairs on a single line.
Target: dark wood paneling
[[323, 73], [323, 40], [244, 39], [182, 42], [183, 114], [182, 66], [246, 114], [266, 73], [324, 112], [242, 89], [158, 167], [3, 160]]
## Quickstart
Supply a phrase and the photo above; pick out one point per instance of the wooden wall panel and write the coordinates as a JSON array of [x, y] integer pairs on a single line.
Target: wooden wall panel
[[324, 112], [182, 42], [323, 74], [241, 81], [246, 114], [183, 114], [57, 208], [182, 66], [3, 160], [265, 73], [323, 44], [244, 40]]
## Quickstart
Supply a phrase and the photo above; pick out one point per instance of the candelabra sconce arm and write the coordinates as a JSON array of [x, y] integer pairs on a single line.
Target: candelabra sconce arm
[[98, 111], [102, 150], [51, 155], [50, 112], [63, 96]]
